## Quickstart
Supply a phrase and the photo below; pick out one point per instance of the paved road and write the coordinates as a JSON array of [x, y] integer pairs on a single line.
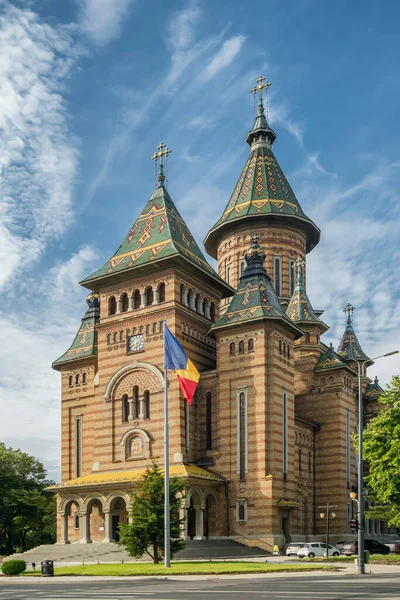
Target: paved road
[[323, 587]]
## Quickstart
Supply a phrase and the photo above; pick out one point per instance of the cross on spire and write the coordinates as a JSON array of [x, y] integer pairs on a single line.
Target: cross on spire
[[262, 84], [162, 151], [299, 264], [349, 309]]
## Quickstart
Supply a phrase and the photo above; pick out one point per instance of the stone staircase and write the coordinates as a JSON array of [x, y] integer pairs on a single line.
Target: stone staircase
[[107, 553]]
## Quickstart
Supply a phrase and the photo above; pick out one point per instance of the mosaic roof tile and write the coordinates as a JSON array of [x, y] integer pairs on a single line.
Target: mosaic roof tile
[[85, 342], [300, 309], [330, 360], [255, 297], [374, 390], [350, 347], [158, 233]]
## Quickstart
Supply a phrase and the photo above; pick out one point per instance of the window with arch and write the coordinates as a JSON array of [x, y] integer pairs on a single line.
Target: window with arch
[[146, 402], [161, 292], [78, 445], [147, 330], [115, 338], [212, 311], [149, 296], [196, 303], [109, 339], [241, 347], [228, 274], [137, 300], [307, 336], [277, 275], [299, 459], [182, 294], [284, 350], [76, 520], [280, 346], [124, 302], [241, 511], [242, 434], [112, 305], [77, 379], [125, 408], [242, 266], [250, 345], [288, 351], [84, 378], [208, 422], [189, 297], [121, 336], [136, 402], [70, 381], [309, 462], [232, 349]]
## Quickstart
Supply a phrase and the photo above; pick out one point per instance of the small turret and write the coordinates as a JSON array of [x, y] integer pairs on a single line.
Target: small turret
[[300, 309], [350, 347]]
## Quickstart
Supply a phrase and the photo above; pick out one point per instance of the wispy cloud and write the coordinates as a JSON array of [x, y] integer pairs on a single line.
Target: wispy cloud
[[38, 156], [223, 58], [101, 20]]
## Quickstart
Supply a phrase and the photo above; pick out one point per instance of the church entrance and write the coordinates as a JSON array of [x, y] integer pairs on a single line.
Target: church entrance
[[191, 516], [115, 528], [119, 514]]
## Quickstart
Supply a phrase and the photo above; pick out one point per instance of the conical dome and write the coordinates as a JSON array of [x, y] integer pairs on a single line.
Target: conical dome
[[350, 347], [300, 309], [262, 192]]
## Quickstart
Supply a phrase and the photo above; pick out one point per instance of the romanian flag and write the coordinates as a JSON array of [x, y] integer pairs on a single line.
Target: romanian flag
[[176, 360]]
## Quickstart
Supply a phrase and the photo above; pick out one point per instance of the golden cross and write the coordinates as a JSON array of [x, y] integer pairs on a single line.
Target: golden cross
[[349, 308], [162, 150], [262, 84]]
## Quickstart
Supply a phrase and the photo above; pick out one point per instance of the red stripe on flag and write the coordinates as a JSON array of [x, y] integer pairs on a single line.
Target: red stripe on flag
[[188, 387]]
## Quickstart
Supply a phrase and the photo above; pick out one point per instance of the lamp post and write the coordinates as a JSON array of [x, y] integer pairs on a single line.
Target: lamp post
[[360, 502], [328, 514]]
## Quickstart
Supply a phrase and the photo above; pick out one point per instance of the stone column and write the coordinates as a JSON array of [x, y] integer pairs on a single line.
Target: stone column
[[143, 302], [107, 526], [142, 408], [156, 296], [207, 313], [185, 297], [131, 403], [84, 521], [64, 528], [119, 307], [130, 305], [199, 522], [191, 301], [183, 514]]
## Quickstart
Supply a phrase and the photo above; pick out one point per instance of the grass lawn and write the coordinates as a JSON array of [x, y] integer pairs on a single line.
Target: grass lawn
[[182, 568]]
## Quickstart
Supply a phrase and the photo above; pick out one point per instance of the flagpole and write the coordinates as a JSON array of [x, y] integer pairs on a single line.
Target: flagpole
[[167, 532]]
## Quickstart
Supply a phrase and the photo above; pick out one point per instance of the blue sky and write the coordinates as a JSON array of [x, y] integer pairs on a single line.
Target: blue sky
[[88, 88]]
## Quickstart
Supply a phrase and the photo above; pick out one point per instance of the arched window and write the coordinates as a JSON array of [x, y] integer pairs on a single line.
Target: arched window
[[228, 274], [161, 292], [109, 340], [189, 298], [241, 512], [208, 422], [136, 300], [154, 328], [242, 267], [124, 302], [280, 347], [196, 303], [76, 520], [242, 436], [232, 349], [147, 330], [317, 339], [125, 408], [288, 351], [331, 380], [307, 335], [115, 338], [121, 336], [112, 305], [146, 400], [323, 381], [241, 347], [77, 379], [182, 294], [136, 402], [250, 345], [284, 350], [212, 311], [83, 378], [299, 459], [70, 381], [277, 275], [149, 296]]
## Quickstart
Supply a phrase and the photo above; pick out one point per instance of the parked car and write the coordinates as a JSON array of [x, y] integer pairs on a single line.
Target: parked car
[[340, 545], [291, 549], [311, 549], [372, 546], [394, 546]]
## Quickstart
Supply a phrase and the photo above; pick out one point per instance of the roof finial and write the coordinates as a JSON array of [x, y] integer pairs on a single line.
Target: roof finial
[[262, 84], [349, 309], [299, 266], [162, 151]]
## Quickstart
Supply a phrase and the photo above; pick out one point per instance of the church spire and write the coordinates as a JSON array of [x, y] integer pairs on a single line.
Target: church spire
[[300, 309], [261, 131], [349, 346], [161, 151]]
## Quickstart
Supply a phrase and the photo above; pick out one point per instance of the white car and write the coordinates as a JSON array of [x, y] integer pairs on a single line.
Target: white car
[[291, 549], [311, 549]]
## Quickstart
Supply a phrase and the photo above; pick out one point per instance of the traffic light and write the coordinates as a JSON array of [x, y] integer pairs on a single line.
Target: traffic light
[[353, 525]]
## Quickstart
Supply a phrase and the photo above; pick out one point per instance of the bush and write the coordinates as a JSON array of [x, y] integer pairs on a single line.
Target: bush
[[13, 567]]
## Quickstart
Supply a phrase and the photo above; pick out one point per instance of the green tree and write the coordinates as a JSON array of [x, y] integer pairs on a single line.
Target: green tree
[[27, 514], [381, 449], [145, 534]]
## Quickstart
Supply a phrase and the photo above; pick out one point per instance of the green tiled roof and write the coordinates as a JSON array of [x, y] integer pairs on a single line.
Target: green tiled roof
[[329, 360], [262, 192], [158, 233], [374, 390], [350, 347], [255, 297], [85, 342], [300, 309]]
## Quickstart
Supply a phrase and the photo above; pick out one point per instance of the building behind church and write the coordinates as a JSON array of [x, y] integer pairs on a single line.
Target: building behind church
[[267, 440]]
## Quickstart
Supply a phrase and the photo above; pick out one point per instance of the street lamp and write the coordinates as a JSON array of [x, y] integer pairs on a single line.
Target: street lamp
[[328, 514], [360, 502]]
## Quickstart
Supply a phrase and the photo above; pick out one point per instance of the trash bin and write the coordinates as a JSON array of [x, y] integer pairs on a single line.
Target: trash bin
[[47, 568], [366, 556]]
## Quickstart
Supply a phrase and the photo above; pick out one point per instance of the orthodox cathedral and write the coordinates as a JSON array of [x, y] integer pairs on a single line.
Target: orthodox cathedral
[[267, 439]]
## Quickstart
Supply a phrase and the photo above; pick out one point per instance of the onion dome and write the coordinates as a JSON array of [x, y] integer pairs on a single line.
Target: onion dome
[[93, 300], [255, 298], [350, 347], [262, 191], [300, 309]]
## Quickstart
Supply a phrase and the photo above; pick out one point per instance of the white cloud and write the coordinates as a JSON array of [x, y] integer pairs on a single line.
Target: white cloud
[[38, 157], [223, 58], [101, 20]]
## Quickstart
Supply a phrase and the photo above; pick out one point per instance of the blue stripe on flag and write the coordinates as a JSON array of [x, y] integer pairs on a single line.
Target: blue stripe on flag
[[174, 355]]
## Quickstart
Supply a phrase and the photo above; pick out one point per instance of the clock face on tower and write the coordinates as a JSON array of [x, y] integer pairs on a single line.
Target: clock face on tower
[[135, 343]]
